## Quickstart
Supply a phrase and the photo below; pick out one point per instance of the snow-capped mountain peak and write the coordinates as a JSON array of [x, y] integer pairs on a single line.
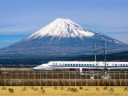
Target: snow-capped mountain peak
[[59, 39], [62, 28]]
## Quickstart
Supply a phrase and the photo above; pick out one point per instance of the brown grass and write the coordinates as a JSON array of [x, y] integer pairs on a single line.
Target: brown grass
[[63, 91]]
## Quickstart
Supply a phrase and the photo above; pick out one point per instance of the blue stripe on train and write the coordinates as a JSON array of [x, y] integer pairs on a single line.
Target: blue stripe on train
[[91, 66]]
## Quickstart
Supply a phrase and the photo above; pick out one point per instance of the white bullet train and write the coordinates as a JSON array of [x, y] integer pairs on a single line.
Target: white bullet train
[[82, 65]]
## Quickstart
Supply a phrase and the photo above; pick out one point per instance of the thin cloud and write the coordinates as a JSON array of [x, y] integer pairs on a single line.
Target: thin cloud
[[16, 29]]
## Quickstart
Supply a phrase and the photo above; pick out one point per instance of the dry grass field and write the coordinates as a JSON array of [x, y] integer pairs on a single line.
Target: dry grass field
[[63, 91]]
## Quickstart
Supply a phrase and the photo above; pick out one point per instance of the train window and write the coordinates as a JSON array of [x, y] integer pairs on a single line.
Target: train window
[[87, 64], [123, 64], [84, 64], [115, 64], [65, 64]]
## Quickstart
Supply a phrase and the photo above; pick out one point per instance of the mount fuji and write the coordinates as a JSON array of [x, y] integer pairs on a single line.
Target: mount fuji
[[63, 37]]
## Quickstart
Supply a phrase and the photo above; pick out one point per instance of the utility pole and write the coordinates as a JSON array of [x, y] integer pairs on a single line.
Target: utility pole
[[105, 53], [95, 52]]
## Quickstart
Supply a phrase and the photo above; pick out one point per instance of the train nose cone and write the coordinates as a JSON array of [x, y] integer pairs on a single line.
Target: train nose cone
[[36, 68]]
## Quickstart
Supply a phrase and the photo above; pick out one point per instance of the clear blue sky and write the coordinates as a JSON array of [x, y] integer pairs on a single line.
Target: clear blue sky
[[20, 18]]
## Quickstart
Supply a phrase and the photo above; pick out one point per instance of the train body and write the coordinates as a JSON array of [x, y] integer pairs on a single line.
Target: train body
[[82, 65]]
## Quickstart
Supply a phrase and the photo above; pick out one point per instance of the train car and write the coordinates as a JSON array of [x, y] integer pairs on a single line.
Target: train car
[[82, 65]]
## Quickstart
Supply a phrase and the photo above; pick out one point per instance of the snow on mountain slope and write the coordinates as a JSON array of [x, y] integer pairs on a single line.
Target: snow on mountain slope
[[62, 28], [65, 28]]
